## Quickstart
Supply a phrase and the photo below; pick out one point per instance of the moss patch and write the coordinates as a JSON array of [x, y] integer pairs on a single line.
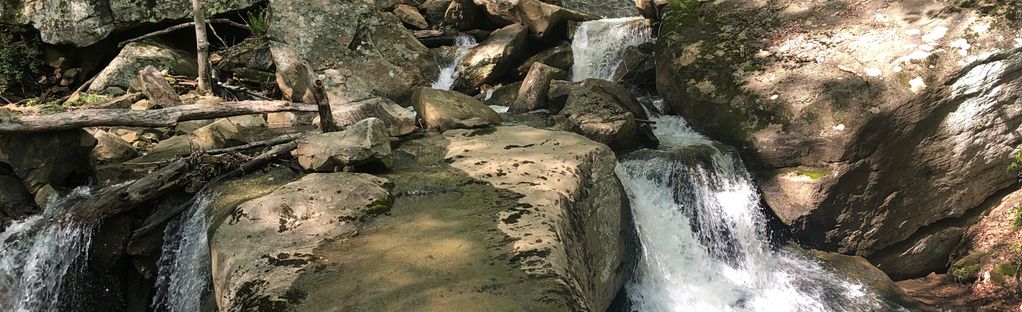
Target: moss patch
[[813, 173]]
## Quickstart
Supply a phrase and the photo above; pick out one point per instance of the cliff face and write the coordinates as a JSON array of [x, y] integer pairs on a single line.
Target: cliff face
[[867, 121]]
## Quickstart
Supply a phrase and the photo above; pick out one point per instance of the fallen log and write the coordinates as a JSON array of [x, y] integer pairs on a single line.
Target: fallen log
[[165, 117], [124, 197], [162, 216], [183, 26]]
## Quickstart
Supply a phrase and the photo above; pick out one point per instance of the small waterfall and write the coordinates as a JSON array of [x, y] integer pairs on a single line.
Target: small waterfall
[[39, 252], [184, 264], [449, 74], [704, 240], [599, 44]]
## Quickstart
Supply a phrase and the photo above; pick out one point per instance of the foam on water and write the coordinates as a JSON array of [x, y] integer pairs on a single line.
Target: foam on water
[[598, 45], [449, 73], [184, 264]]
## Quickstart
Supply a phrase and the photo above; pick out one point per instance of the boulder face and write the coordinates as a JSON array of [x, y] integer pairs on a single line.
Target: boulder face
[[491, 59], [533, 93], [121, 74], [84, 22], [399, 121], [860, 145], [364, 143], [442, 110], [15, 201], [606, 112], [603, 8], [357, 51], [268, 242], [33, 159]]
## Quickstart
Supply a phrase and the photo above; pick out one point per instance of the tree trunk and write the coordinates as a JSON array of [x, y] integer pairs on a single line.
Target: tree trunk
[[166, 117], [326, 115], [202, 46]]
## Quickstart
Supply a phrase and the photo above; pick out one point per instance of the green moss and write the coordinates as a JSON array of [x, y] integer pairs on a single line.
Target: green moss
[[813, 173], [967, 268], [86, 99], [1007, 269], [1016, 216]]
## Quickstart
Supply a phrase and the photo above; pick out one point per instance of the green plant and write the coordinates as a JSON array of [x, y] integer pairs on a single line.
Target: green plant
[[19, 54], [814, 174], [258, 21]]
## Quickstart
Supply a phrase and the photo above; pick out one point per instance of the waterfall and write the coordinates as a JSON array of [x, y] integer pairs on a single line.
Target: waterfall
[[184, 264], [704, 240], [38, 253], [449, 74], [598, 45]]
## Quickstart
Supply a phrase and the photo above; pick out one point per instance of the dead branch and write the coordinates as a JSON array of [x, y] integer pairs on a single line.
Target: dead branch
[[165, 117], [180, 27]]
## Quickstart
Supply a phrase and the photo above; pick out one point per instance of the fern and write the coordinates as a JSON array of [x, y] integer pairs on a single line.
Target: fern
[[259, 22]]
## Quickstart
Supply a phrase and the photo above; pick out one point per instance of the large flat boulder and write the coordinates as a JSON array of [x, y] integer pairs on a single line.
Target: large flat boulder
[[267, 242], [364, 143], [357, 51]]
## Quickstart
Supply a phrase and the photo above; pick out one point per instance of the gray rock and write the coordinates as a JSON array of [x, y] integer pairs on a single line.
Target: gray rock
[[557, 96], [435, 10], [919, 257], [503, 95], [376, 56], [559, 57], [232, 131], [15, 201], [122, 73], [604, 8], [533, 93], [491, 59], [859, 270], [606, 112], [364, 143], [111, 148], [84, 22], [410, 16], [53, 158], [540, 17], [442, 110], [399, 120], [462, 15]]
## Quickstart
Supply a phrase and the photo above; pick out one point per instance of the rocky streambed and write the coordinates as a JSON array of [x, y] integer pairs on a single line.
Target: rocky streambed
[[531, 155]]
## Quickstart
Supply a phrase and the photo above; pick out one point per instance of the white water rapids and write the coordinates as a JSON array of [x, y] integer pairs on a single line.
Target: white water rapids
[[598, 45], [38, 253], [184, 266], [449, 74]]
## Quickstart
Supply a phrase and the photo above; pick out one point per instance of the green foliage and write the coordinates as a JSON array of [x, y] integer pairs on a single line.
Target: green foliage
[[259, 22], [1016, 162], [19, 54], [86, 98], [967, 268]]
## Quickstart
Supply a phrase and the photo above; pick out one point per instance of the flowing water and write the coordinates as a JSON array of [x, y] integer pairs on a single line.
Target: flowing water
[[705, 245], [598, 45], [184, 266], [39, 253], [449, 73]]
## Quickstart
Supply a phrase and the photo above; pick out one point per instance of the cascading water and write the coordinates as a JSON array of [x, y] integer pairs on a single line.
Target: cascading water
[[184, 264], [704, 240], [38, 253], [449, 74], [598, 45]]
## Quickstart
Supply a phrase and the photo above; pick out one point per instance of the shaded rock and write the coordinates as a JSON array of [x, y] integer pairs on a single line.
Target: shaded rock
[[109, 243], [860, 270], [603, 8], [375, 57], [410, 16], [491, 59], [156, 88], [111, 148], [266, 243], [442, 110], [533, 93], [544, 20], [462, 15], [502, 95], [226, 132], [399, 120], [249, 62], [606, 112], [435, 10], [15, 201], [651, 9], [919, 257], [364, 143], [559, 57], [84, 22], [557, 96], [35, 159], [122, 73], [637, 67]]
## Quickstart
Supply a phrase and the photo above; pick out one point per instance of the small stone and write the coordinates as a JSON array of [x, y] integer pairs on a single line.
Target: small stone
[[143, 105]]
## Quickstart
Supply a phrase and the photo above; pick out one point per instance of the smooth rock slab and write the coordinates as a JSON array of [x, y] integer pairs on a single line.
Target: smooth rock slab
[[442, 110]]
